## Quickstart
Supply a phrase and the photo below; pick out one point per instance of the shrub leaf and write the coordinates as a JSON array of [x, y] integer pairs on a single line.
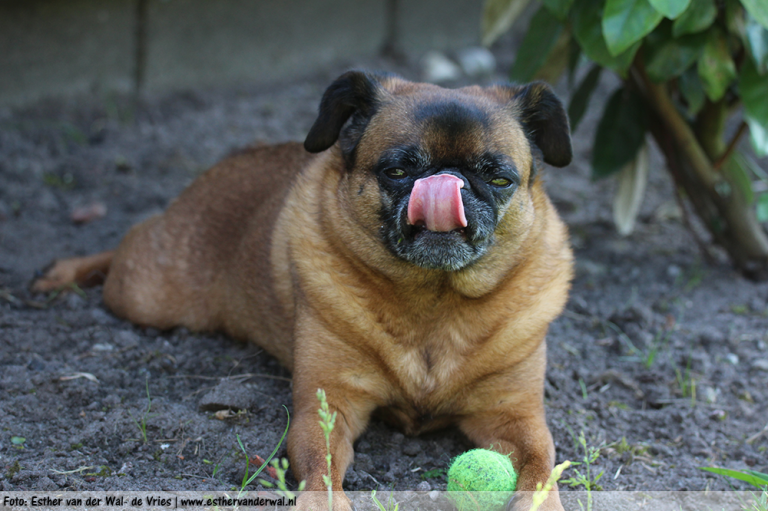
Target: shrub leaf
[[716, 67], [580, 98], [756, 38], [753, 87], [668, 57], [626, 22], [620, 133], [758, 9], [670, 8], [498, 16], [559, 8], [588, 31], [698, 17], [543, 32], [762, 216], [692, 90], [629, 195]]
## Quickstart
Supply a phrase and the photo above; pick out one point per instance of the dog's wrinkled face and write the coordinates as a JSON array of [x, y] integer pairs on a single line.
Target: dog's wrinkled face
[[444, 183], [436, 171]]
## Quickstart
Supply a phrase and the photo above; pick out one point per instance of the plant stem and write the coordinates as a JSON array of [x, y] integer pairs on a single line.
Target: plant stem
[[703, 248], [716, 197], [731, 145], [678, 127]]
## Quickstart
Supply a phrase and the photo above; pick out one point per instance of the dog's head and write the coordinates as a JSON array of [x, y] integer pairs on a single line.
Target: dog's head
[[438, 174]]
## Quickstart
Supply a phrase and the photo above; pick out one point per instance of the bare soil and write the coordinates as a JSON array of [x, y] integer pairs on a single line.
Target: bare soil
[[660, 359]]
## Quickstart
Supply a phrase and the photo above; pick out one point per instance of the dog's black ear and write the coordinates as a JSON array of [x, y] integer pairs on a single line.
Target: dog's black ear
[[545, 122], [354, 92]]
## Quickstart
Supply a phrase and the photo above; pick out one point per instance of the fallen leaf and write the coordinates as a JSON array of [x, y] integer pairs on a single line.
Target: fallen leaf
[[85, 214], [224, 414], [259, 461], [75, 376]]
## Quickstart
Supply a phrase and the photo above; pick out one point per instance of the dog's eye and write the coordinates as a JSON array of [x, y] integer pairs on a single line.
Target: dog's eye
[[501, 182], [395, 173]]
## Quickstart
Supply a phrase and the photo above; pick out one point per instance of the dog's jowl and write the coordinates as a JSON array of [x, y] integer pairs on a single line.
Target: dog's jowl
[[406, 260]]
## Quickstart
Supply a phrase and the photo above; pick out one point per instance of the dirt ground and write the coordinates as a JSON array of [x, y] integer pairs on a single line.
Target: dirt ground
[[660, 359]]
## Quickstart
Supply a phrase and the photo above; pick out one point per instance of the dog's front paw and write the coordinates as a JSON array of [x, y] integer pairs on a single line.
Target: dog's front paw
[[318, 501], [523, 501]]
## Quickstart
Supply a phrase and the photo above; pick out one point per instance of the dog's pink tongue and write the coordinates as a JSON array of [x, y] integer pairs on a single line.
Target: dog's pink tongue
[[436, 201]]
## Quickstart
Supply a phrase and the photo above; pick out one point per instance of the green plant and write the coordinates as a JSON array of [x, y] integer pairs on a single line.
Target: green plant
[[659, 342], [542, 490], [246, 479], [759, 503], [145, 416], [623, 446], [327, 420], [757, 479], [586, 479], [434, 473], [391, 506], [686, 382], [694, 75], [583, 386], [281, 468], [64, 183]]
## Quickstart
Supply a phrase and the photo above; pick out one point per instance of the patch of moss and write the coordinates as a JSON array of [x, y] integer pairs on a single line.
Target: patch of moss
[[634, 449], [619, 405], [104, 472], [433, 474], [15, 468], [739, 309]]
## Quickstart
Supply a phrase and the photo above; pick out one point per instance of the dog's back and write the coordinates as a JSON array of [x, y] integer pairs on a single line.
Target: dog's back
[[172, 269]]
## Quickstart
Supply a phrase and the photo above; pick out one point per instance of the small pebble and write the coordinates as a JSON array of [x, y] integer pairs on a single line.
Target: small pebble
[[36, 365], [228, 395], [424, 486], [351, 478], [126, 338], [760, 365], [74, 301], [718, 415], [437, 68], [101, 317], [47, 201], [476, 61], [412, 448], [710, 394], [711, 336], [757, 305], [46, 484]]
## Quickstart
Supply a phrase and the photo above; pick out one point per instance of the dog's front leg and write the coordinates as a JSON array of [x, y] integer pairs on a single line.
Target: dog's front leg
[[307, 447], [525, 438], [324, 362]]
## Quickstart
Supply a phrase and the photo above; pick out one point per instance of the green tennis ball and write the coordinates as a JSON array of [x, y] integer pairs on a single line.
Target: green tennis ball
[[484, 471]]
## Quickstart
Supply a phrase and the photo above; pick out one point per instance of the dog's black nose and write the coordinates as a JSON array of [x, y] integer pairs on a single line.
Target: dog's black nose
[[454, 172]]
